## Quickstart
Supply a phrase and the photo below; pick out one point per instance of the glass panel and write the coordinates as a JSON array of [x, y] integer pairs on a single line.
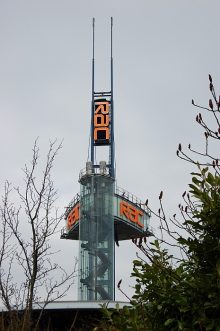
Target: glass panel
[[96, 238]]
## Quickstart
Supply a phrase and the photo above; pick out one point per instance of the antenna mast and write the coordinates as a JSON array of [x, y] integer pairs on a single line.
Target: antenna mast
[[102, 114], [93, 92], [112, 172]]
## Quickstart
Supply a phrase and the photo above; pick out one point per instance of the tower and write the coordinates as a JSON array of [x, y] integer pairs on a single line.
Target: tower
[[102, 213]]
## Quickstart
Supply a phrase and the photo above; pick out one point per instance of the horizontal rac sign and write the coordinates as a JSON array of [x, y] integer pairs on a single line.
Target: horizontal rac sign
[[130, 213], [124, 211]]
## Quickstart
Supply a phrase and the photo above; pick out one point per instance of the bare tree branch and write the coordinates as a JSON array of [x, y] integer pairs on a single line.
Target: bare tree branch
[[40, 217]]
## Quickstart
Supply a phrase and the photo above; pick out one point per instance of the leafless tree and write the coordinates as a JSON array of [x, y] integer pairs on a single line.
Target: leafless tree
[[26, 232], [211, 129], [200, 158]]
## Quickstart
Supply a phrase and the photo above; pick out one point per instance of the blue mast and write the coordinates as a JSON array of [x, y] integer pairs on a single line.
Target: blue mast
[[112, 163], [102, 114], [93, 92]]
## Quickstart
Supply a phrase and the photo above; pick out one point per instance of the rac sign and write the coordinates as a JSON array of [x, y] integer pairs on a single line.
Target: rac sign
[[73, 216], [131, 213], [101, 122]]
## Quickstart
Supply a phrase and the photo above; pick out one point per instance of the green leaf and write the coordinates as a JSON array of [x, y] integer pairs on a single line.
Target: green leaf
[[210, 178], [210, 326], [196, 174], [204, 170], [169, 321], [196, 181], [180, 325], [137, 263]]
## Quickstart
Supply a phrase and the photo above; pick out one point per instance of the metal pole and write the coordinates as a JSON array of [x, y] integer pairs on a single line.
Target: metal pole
[[112, 113], [92, 105], [112, 173]]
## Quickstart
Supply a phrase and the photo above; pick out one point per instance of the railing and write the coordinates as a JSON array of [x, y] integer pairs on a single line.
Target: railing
[[71, 204], [94, 170], [133, 198], [119, 191]]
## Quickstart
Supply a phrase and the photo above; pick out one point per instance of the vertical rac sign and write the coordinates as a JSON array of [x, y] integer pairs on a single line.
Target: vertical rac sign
[[102, 122], [73, 216]]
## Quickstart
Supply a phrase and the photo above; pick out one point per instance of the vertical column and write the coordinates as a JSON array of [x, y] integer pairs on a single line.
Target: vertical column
[[96, 238]]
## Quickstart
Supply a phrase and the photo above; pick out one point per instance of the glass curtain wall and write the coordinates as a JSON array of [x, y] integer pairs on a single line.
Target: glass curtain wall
[[96, 238]]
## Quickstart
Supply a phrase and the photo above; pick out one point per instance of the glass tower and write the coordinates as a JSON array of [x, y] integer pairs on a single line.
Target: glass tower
[[101, 214], [96, 238]]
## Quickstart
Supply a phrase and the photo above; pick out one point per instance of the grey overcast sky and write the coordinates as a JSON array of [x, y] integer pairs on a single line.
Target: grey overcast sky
[[163, 53]]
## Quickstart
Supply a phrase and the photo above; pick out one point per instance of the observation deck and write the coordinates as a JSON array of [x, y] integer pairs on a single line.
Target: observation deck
[[131, 215]]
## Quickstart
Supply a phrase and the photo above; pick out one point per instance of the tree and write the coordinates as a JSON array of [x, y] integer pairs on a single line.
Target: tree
[[181, 292], [26, 232]]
